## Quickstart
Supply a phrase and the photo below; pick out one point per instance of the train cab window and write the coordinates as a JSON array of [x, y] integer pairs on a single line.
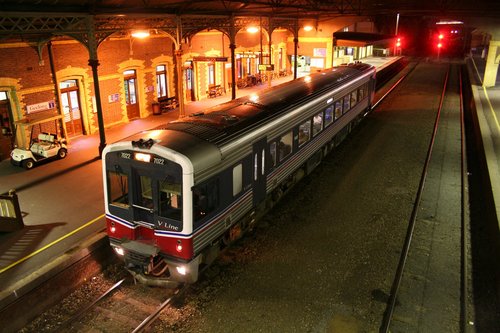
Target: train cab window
[[329, 116], [285, 145], [347, 103], [118, 189], [317, 124], [205, 199], [338, 109], [304, 132], [146, 195], [354, 98], [272, 151], [170, 205], [237, 179]]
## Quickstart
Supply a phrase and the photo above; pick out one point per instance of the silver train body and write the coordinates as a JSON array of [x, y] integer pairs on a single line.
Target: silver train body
[[177, 194]]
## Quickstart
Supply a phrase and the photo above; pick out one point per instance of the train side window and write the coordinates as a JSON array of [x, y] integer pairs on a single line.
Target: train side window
[[329, 116], [272, 151], [361, 92], [237, 179], [338, 109], [255, 166], [354, 98], [304, 133], [263, 164], [118, 189], [205, 199], [285, 145], [347, 103], [170, 205], [317, 124]]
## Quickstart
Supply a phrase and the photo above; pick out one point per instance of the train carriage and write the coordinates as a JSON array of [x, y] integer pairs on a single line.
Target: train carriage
[[176, 195]]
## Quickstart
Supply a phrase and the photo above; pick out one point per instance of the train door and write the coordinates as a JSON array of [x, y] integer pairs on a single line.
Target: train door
[[70, 102], [130, 82], [6, 129], [259, 171]]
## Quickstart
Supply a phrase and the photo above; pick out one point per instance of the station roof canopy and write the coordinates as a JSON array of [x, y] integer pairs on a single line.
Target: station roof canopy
[[350, 38], [42, 20], [275, 8]]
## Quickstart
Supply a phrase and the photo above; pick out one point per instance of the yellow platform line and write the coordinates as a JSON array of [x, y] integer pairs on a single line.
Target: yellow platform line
[[486, 95], [51, 244], [491, 108]]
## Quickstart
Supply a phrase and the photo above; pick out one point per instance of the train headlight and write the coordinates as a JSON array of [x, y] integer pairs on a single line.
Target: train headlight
[[142, 157], [181, 270], [120, 251], [112, 229], [178, 247]]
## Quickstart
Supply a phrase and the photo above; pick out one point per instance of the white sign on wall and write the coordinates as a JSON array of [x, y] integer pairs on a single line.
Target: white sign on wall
[[41, 106]]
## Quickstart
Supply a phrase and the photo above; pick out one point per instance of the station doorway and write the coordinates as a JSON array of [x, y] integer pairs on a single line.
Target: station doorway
[[70, 101], [6, 127], [130, 83], [189, 79]]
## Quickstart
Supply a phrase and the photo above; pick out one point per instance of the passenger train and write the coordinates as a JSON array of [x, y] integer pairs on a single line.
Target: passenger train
[[178, 194]]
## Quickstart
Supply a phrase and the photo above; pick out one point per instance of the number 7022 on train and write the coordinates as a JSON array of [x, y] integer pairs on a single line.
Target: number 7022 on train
[[177, 194]]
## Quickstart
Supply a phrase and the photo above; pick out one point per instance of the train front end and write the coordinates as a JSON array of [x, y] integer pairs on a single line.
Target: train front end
[[147, 190]]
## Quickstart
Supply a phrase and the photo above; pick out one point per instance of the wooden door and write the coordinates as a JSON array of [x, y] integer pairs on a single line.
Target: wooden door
[[130, 82]]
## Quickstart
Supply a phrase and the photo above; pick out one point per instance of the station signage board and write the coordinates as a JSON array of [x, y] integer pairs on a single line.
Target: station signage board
[[40, 106], [210, 59]]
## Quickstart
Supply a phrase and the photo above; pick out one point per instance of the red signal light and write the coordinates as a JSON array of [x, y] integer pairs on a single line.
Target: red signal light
[[441, 36], [439, 45]]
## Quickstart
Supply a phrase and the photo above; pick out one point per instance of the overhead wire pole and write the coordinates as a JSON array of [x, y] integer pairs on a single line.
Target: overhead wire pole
[[396, 33]]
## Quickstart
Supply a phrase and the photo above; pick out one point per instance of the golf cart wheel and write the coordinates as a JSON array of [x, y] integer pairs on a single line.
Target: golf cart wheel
[[62, 153], [28, 164]]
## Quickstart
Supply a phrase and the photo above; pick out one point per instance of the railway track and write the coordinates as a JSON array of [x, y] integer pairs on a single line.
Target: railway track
[[124, 307], [451, 90], [108, 308]]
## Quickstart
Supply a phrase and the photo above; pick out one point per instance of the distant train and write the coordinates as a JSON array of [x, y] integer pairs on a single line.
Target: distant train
[[176, 195]]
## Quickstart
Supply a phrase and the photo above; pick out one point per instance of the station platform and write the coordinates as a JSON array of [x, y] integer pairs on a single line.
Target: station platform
[[62, 201], [487, 103]]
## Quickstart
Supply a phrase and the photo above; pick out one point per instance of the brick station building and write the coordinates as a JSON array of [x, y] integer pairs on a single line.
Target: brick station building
[[49, 87]]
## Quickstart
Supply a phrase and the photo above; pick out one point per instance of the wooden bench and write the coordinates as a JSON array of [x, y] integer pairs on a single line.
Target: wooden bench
[[214, 90], [167, 103]]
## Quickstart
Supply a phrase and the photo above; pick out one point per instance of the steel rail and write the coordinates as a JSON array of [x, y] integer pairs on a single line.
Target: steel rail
[[464, 225], [152, 317], [391, 304], [393, 87], [90, 305]]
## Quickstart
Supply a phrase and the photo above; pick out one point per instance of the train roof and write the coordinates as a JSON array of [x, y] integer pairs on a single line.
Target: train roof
[[220, 123]]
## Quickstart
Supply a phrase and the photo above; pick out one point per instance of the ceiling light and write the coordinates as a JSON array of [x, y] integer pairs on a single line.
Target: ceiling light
[[140, 33]]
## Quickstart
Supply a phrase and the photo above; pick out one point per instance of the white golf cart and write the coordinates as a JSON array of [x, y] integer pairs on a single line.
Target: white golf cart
[[43, 146]]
